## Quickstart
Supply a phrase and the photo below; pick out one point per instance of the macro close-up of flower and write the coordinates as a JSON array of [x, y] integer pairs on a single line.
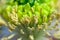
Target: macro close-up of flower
[[29, 20]]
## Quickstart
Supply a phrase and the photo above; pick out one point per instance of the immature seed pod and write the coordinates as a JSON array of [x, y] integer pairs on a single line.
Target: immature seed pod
[[46, 25], [11, 27], [22, 32], [48, 34], [31, 37], [2, 22], [14, 17], [10, 36], [36, 19], [27, 19], [32, 29], [39, 27]]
